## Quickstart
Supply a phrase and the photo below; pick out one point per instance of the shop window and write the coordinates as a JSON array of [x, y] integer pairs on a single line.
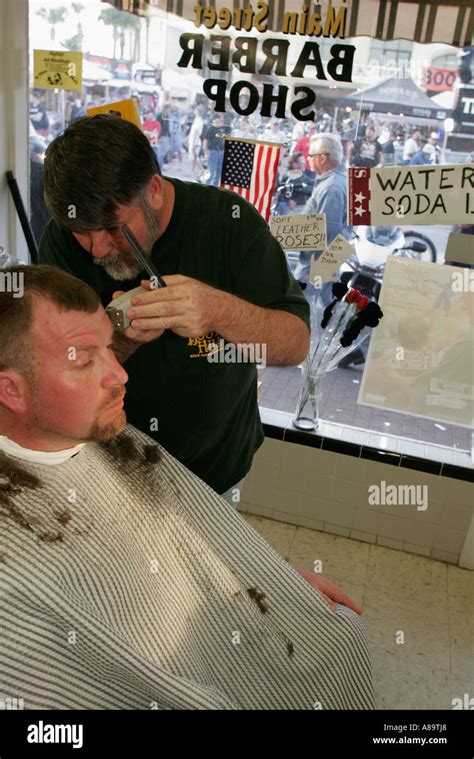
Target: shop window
[[126, 56]]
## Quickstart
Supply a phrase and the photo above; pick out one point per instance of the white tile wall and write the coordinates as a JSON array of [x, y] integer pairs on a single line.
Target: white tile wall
[[313, 524], [328, 491], [420, 550], [366, 537], [389, 543]]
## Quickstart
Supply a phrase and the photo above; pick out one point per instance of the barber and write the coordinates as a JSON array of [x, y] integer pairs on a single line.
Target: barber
[[227, 280]]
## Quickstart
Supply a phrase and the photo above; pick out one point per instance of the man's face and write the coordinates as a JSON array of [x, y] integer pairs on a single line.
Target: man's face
[[370, 133], [78, 383], [109, 247], [318, 161]]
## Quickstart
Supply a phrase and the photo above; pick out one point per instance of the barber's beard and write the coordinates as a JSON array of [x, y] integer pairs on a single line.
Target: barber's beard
[[123, 266], [117, 268]]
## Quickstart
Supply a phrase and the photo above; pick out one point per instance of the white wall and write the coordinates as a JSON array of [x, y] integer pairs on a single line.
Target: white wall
[[328, 491], [13, 120]]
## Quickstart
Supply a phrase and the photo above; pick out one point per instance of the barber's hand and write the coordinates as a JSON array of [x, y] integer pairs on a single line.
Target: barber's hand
[[139, 335], [328, 590], [186, 306]]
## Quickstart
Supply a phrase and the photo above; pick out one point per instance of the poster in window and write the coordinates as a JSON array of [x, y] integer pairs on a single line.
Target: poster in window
[[420, 360]]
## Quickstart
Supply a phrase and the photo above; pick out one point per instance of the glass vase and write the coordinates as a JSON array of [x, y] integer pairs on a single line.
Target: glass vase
[[309, 403]]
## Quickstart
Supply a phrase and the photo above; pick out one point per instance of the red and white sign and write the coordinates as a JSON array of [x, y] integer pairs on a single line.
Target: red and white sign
[[438, 80], [399, 195], [359, 196]]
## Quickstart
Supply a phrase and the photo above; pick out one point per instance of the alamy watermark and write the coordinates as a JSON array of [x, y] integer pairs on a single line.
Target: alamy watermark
[[466, 702], [399, 495], [237, 353], [383, 67], [46, 733], [12, 282], [462, 281]]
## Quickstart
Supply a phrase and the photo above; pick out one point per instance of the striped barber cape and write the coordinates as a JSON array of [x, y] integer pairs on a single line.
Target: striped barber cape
[[127, 583]]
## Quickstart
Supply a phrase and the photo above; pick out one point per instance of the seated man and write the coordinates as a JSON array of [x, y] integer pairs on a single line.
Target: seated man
[[127, 583]]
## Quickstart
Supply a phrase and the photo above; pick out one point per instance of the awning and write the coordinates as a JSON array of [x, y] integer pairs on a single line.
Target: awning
[[425, 21], [396, 95], [184, 84], [91, 72], [444, 99], [131, 84]]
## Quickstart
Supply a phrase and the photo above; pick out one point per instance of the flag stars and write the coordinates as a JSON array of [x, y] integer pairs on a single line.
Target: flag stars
[[238, 164]]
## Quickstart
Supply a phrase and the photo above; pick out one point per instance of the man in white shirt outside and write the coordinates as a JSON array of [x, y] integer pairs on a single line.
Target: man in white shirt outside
[[411, 146]]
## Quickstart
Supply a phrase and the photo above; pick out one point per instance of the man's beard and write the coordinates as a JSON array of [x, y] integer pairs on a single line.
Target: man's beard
[[122, 266], [98, 432], [101, 433], [116, 267]]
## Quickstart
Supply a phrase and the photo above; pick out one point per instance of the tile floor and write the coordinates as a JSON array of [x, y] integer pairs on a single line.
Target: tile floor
[[432, 603]]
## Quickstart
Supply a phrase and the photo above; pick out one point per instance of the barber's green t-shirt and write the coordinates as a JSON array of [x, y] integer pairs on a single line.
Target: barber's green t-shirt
[[206, 413]]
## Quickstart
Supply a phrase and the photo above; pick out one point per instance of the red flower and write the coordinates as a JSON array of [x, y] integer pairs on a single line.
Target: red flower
[[362, 302], [353, 296]]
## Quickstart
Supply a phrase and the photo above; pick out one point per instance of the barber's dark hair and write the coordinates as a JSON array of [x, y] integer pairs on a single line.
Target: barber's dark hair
[[97, 163], [66, 292]]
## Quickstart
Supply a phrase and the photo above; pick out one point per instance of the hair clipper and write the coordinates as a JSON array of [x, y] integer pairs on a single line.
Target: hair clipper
[[117, 308]]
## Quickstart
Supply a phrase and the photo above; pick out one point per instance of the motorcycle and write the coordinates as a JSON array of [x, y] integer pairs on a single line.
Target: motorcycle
[[291, 195], [364, 269]]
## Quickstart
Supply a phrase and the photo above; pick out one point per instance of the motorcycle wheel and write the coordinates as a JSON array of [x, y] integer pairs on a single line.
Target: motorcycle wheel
[[430, 254]]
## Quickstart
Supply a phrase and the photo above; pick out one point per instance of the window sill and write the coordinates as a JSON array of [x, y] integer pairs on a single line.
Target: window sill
[[360, 443]]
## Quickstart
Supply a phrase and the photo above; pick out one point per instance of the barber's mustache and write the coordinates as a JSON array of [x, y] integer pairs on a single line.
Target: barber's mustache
[[116, 256]]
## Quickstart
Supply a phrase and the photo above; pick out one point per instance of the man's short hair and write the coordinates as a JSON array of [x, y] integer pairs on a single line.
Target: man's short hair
[[97, 163], [66, 292], [330, 144]]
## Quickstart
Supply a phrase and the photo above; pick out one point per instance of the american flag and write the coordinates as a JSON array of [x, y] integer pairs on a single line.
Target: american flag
[[250, 169]]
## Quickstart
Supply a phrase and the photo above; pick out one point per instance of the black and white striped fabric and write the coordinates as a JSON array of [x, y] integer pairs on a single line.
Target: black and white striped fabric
[[124, 584]]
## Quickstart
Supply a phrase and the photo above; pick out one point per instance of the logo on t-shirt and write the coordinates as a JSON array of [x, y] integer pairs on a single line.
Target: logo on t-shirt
[[204, 345]]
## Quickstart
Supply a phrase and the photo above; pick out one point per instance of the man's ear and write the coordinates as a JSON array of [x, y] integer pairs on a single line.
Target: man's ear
[[14, 391], [155, 192]]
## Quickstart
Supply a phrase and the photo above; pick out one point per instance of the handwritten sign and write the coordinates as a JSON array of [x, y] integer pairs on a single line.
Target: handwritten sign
[[301, 232], [411, 195], [57, 69], [329, 262], [420, 356]]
